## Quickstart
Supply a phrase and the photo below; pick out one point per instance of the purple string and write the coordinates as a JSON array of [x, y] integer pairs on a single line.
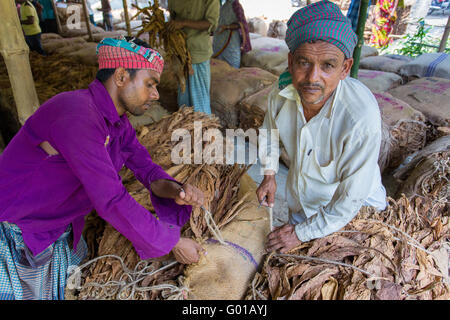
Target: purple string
[[238, 248]]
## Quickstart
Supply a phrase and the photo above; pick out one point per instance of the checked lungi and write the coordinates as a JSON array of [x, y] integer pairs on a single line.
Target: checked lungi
[[41, 277], [197, 93]]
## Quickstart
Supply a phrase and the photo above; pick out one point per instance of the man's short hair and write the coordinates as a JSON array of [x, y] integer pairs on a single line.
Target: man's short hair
[[104, 74]]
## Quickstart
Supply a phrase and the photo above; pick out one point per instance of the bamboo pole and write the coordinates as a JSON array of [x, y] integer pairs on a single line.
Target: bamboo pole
[[445, 36], [362, 17], [15, 53], [127, 18], [58, 22], [86, 19]]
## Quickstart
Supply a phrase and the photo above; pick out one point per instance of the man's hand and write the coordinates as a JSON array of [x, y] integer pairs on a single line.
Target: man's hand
[[190, 195], [175, 25], [186, 194], [186, 251], [267, 188], [283, 239]]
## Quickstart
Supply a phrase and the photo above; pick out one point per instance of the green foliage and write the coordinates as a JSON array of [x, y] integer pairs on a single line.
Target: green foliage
[[414, 45]]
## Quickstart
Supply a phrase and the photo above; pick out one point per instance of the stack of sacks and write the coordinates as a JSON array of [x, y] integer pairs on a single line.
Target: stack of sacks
[[267, 53], [431, 96], [62, 45], [257, 25], [379, 81], [229, 87], [428, 65], [382, 63], [404, 130]]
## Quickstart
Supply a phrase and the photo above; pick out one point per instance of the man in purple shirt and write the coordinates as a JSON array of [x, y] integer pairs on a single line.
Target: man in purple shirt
[[64, 163]]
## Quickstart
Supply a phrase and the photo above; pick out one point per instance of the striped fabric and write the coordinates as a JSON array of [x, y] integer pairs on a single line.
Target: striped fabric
[[433, 65], [322, 20], [41, 277], [232, 52], [114, 53], [197, 88]]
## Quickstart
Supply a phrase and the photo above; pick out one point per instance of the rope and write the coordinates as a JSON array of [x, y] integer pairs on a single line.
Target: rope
[[213, 227], [128, 281]]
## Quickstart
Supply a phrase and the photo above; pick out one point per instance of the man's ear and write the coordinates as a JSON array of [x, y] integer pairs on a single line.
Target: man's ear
[[346, 67], [121, 76]]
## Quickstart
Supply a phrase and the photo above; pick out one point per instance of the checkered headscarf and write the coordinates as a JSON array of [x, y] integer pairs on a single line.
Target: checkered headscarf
[[322, 20], [114, 53]]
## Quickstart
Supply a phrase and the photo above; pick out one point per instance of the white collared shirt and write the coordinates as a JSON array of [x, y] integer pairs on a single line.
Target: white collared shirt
[[334, 156]]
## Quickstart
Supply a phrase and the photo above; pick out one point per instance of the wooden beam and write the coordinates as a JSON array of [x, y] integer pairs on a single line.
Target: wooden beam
[[58, 22], [15, 53], [127, 18], [362, 17], [86, 19], [445, 36]]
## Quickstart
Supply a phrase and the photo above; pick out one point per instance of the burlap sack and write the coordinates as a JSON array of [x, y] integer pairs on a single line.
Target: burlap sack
[[97, 37], [406, 130], [48, 36], [253, 108], [52, 45], [431, 96], [428, 172], [86, 55], [70, 12], [277, 29], [225, 272], [367, 51], [382, 63], [79, 30], [73, 47], [398, 57], [257, 25], [254, 35], [152, 115], [268, 54], [229, 88], [379, 81], [428, 65]]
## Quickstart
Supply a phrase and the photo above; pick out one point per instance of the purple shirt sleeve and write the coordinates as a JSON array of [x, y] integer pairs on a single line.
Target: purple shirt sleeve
[[138, 160], [81, 142]]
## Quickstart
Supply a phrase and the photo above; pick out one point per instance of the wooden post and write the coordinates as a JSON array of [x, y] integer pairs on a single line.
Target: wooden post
[[86, 19], [58, 22], [15, 53], [127, 18], [443, 43], [362, 17]]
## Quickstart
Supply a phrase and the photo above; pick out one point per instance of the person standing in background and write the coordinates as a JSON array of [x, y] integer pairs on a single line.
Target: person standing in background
[[107, 15], [231, 37], [198, 19], [91, 12], [39, 10], [30, 24], [385, 16], [48, 17]]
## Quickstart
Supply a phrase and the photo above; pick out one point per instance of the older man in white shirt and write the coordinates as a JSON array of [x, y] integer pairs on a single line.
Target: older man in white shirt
[[330, 125]]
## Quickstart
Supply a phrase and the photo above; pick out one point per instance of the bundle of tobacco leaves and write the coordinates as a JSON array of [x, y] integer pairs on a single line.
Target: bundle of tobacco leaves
[[395, 254]]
